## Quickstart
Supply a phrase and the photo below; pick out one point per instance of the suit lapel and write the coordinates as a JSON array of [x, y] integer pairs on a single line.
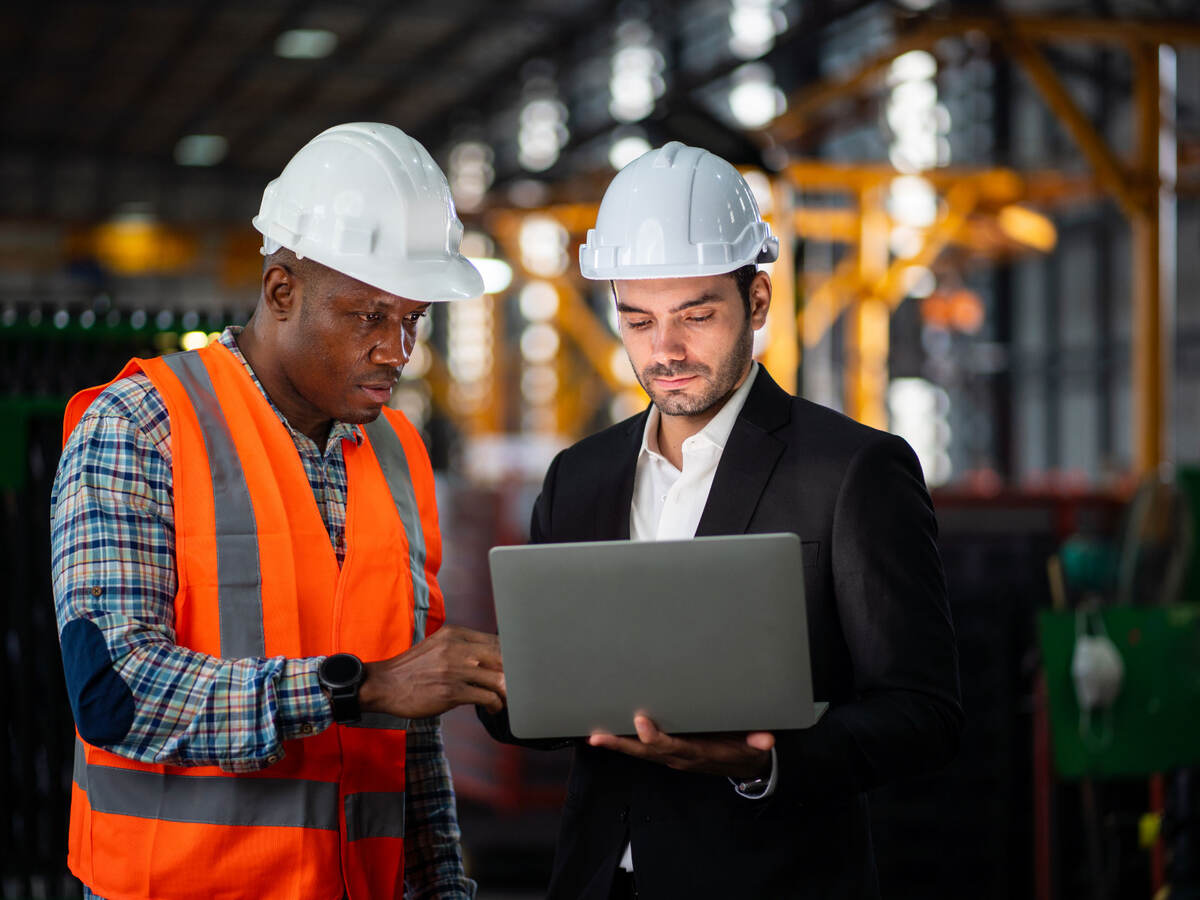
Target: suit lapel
[[613, 505], [748, 460]]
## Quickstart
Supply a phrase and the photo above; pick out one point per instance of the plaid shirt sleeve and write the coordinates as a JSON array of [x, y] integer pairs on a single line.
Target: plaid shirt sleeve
[[433, 865], [113, 542]]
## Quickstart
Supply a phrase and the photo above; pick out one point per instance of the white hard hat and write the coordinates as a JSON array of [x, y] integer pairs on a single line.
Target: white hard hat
[[676, 212], [367, 200]]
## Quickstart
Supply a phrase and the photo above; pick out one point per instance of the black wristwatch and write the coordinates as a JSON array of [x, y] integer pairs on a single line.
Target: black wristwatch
[[341, 675]]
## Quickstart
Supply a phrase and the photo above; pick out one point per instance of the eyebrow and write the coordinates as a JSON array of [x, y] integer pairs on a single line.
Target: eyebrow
[[702, 300]]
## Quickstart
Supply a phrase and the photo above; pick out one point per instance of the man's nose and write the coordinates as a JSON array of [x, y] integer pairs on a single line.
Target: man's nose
[[395, 347], [668, 343]]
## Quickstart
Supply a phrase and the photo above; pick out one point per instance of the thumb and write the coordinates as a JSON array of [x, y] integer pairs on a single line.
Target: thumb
[[760, 740]]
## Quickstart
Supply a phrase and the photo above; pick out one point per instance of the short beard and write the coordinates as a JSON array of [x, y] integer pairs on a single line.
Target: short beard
[[719, 386]]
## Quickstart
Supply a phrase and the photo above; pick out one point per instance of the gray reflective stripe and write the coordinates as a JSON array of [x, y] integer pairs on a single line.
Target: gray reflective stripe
[[380, 720], [80, 772], [390, 453], [208, 799], [239, 579], [375, 814]]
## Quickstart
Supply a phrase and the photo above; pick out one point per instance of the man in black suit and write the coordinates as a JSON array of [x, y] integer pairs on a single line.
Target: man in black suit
[[724, 450]]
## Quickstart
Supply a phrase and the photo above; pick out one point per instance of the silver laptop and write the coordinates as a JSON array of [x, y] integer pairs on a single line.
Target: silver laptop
[[703, 635]]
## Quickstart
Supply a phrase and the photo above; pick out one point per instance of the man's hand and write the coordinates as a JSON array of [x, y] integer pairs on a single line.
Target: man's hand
[[738, 756], [453, 667]]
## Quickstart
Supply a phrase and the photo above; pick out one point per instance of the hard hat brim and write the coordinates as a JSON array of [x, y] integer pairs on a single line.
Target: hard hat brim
[[427, 281]]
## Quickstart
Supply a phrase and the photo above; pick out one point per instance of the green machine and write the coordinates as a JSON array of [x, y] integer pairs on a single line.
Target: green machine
[[1153, 725]]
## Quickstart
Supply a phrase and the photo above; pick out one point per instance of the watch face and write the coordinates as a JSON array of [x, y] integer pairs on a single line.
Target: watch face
[[341, 669]]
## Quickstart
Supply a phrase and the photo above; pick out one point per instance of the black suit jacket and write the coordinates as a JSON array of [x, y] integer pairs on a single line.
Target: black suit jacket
[[883, 653]]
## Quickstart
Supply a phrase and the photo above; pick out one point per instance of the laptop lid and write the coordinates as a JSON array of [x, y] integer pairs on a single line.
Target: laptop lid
[[708, 634]]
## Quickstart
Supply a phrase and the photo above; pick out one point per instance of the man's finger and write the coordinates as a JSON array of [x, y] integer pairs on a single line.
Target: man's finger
[[629, 746], [489, 700], [470, 635], [761, 740], [484, 658], [485, 678], [647, 731]]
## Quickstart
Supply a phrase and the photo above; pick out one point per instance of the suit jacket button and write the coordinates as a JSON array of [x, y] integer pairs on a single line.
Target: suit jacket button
[[646, 819], [624, 816]]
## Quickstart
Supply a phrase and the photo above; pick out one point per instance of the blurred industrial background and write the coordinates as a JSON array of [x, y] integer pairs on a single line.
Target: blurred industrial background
[[990, 225]]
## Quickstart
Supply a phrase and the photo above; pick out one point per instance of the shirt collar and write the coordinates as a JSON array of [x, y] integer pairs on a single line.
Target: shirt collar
[[719, 427], [341, 431]]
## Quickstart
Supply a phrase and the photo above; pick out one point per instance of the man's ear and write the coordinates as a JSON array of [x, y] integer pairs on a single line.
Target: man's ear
[[760, 300], [280, 291]]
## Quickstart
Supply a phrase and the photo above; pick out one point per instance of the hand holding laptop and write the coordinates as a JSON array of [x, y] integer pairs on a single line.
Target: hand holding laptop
[[705, 637], [740, 756]]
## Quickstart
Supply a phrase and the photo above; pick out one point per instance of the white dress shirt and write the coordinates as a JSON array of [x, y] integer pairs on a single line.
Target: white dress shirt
[[667, 503]]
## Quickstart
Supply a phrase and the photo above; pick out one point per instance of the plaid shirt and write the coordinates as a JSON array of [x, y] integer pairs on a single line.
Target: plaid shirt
[[113, 557]]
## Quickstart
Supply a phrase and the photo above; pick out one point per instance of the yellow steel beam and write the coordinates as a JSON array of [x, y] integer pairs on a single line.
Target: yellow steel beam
[[891, 287], [1127, 32], [1108, 168], [846, 285], [868, 321], [805, 103], [578, 321], [832, 225], [823, 306], [782, 354]]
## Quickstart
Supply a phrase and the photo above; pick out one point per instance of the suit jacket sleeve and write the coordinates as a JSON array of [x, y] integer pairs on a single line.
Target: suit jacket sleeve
[[497, 723], [905, 716]]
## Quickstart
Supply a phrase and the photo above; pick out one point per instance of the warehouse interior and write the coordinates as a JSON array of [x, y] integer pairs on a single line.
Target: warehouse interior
[[989, 220]]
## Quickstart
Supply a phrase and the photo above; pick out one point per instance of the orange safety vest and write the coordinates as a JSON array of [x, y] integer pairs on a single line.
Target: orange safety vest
[[259, 578]]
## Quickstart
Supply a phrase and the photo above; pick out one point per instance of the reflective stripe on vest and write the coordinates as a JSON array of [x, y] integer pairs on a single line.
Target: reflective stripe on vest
[[238, 574], [239, 579], [390, 453], [221, 800], [374, 814], [211, 799]]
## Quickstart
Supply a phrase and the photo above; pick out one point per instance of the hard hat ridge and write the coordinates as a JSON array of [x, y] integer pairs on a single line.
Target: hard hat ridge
[[676, 212], [367, 200]]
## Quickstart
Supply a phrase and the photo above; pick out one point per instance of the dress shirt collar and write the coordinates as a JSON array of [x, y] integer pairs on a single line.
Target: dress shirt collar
[[341, 431], [718, 429]]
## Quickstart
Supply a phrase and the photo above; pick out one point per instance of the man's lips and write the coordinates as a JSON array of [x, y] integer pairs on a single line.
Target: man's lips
[[379, 392], [674, 382]]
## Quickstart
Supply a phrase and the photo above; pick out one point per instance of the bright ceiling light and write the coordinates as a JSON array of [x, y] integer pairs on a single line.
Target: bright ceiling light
[[915, 65], [912, 201], [538, 301], [753, 25], [626, 149], [543, 246], [193, 340], [201, 150], [539, 343], [754, 99], [496, 273], [636, 81], [471, 173], [543, 130], [305, 43]]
